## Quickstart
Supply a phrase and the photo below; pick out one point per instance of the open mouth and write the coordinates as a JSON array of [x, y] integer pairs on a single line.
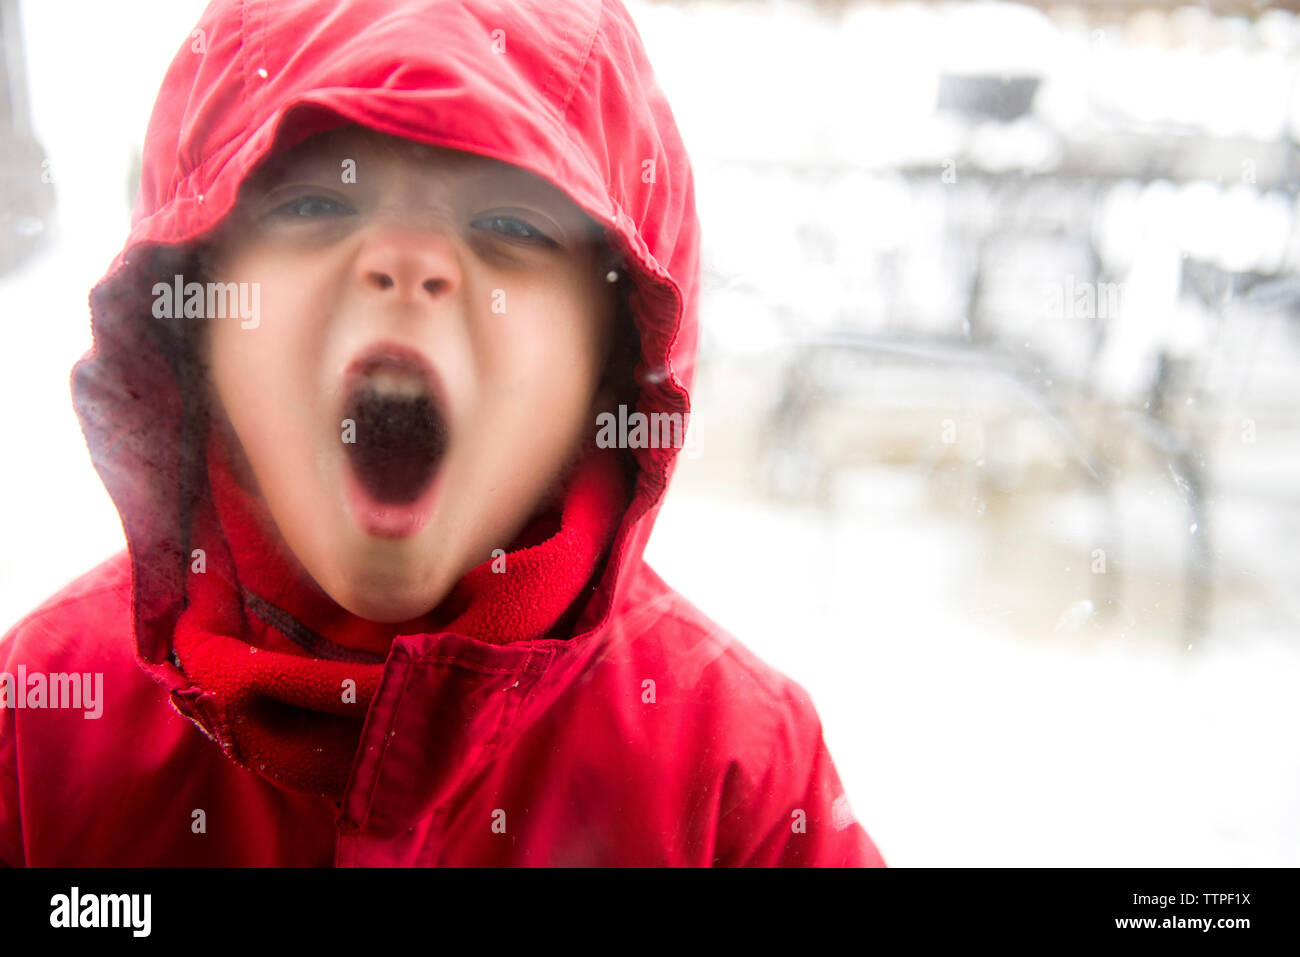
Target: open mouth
[[401, 431]]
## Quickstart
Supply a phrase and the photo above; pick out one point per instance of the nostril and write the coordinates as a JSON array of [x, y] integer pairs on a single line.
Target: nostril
[[379, 279]]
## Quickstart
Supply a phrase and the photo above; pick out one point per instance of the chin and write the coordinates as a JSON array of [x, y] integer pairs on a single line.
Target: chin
[[386, 610], [386, 599]]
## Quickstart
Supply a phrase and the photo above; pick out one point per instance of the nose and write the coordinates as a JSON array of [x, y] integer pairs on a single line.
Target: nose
[[408, 264]]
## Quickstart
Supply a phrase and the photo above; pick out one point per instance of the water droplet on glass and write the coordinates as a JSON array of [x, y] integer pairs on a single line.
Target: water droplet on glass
[[1074, 617], [28, 226]]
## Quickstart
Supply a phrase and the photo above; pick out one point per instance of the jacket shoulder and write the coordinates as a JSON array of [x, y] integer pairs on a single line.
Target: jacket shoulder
[[705, 657], [99, 598], [84, 626], [780, 800]]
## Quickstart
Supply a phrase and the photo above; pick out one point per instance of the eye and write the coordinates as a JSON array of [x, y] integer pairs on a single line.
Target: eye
[[311, 207], [515, 229]]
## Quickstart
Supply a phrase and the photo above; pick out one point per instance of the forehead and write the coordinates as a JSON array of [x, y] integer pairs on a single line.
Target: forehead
[[353, 142]]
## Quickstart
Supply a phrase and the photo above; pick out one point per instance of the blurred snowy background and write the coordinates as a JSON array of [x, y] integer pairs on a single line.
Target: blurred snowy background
[[997, 446]]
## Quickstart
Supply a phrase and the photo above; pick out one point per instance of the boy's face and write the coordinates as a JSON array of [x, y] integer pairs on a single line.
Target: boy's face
[[428, 352]]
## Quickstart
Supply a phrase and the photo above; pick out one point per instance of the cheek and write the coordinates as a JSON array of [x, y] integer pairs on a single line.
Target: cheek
[[242, 364], [549, 350], [263, 376]]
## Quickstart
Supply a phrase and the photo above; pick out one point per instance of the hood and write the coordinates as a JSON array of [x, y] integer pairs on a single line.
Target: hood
[[562, 89]]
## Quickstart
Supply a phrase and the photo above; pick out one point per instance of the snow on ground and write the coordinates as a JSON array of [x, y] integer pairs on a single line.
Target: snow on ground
[[961, 743]]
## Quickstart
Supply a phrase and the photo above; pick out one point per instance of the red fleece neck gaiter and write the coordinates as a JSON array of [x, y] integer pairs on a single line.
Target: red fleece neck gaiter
[[293, 673]]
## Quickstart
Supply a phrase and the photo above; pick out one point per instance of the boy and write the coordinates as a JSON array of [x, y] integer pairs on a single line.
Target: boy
[[390, 264]]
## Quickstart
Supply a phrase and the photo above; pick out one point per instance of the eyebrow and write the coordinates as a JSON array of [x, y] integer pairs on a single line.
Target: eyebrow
[[467, 171], [295, 162]]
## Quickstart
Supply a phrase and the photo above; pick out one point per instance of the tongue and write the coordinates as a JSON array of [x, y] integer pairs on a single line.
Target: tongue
[[399, 442]]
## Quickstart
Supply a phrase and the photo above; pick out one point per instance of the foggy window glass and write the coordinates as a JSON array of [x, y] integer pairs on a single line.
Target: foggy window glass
[[993, 441]]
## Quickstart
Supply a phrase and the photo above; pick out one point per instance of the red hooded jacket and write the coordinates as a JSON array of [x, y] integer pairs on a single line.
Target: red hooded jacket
[[536, 752]]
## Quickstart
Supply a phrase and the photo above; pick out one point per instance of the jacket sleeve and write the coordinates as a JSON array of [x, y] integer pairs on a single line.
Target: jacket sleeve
[[10, 831], [10, 825], [796, 813]]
